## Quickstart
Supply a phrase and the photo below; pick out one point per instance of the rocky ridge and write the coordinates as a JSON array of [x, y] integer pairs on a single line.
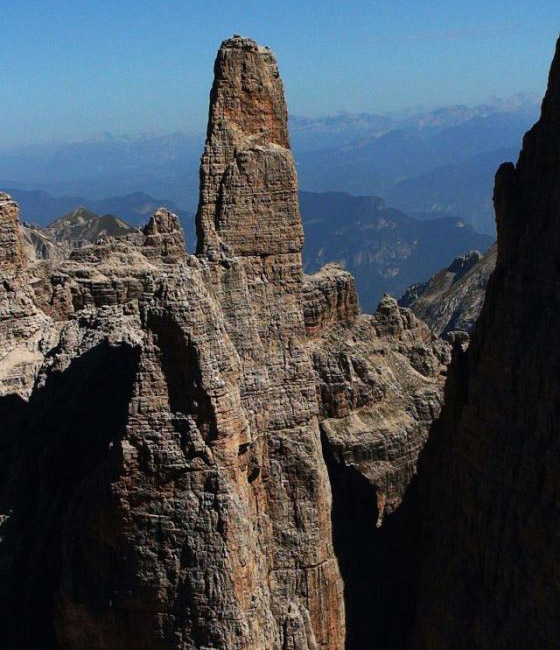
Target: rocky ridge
[[451, 300], [384, 249], [82, 224], [163, 480], [379, 385]]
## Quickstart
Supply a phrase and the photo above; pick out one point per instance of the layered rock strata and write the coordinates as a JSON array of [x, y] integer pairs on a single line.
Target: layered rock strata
[[451, 300], [490, 475], [379, 385], [163, 484], [329, 297], [165, 416], [164, 240], [11, 250]]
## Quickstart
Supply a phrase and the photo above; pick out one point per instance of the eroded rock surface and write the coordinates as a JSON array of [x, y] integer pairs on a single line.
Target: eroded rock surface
[[11, 250], [163, 484], [208, 451], [379, 383], [329, 297], [451, 300]]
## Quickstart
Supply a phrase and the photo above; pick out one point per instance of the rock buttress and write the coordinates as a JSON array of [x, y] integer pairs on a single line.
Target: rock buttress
[[380, 385], [490, 475], [329, 297]]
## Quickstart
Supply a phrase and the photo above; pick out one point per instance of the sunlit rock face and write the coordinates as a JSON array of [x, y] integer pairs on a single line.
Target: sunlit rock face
[[11, 249]]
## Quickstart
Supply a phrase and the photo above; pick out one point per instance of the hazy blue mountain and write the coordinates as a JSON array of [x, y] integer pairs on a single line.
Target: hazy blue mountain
[[385, 249], [316, 133], [160, 165], [358, 153], [376, 165], [41, 207], [463, 190]]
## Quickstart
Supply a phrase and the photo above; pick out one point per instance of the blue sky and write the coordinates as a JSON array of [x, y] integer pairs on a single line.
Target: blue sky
[[71, 68]]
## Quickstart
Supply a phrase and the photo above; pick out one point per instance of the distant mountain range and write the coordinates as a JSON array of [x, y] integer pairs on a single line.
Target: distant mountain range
[[108, 165], [406, 158], [461, 189], [386, 249], [412, 166], [40, 207], [82, 224]]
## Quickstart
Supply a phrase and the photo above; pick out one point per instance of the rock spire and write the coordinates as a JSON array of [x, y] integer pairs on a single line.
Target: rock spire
[[163, 485], [11, 253], [248, 185]]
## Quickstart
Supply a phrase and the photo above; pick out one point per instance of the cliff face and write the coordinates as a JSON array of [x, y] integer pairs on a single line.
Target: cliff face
[[248, 204], [490, 477], [329, 297], [379, 385], [208, 451], [163, 484], [248, 187], [11, 250], [452, 299]]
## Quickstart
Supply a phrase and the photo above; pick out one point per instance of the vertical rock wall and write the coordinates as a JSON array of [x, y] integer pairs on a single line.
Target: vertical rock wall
[[11, 253], [249, 209], [490, 475]]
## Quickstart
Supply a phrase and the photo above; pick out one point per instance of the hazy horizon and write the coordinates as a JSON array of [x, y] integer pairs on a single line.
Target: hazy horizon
[[71, 71], [402, 114]]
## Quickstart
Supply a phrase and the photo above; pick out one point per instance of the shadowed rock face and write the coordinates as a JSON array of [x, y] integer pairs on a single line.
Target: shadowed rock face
[[490, 477], [379, 384], [51, 447]]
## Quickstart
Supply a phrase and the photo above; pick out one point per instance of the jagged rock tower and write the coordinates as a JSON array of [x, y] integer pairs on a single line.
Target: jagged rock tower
[[11, 254], [249, 208], [162, 482], [248, 185], [491, 475], [162, 479]]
